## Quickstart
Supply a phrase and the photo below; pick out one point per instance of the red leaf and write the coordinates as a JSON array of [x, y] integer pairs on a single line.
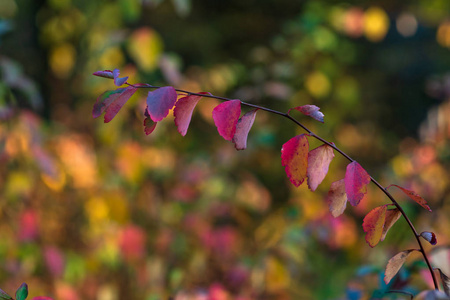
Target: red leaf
[[337, 198], [413, 196], [294, 157], [118, 102], [118, 81], [149, 125], [160, 101], [319, 160], [243, 128], [42, 298], [183, 111], [373, 225], [226, 116], [310, 110], [356, 180], [105, 73], [430, 237], [392, 216], [394, 264]]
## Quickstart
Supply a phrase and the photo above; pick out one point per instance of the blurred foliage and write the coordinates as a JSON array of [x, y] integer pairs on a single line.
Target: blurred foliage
[[100, 211]]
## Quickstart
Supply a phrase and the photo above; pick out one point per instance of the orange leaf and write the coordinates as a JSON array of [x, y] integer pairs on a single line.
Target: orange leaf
[[373, 225]]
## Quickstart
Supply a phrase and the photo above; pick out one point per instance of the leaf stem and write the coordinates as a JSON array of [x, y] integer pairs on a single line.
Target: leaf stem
[[332, 145]]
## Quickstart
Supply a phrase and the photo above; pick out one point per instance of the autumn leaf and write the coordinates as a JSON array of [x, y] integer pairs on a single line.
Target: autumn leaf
[[430, 237], [226, 116], [118, 81], [243, 127], [105, 74], [337, 198], [310, 110], [160, 101], [111, 102], [356, 181], [319, 160], [22, 292], [373, 225], [395, 263], [42, 298], [294, 157], [412, 195], [445, 282], [183, 112], [392, 215]]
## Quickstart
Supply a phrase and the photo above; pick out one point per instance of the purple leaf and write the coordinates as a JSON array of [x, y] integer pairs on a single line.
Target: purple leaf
[[118, 81], [243, 127], [160, 101], [105, 74], [310, 110]]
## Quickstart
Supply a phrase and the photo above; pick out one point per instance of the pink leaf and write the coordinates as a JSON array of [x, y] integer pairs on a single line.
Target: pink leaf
[[226, 116], [160, 101], [42, 298], [119, 101], [242, 129], [356, 181], [412, 195], [183, 111], [310, 110], [373, 225], [118, 81], [319, 160], [105, 73], [337, 198], [430, 237], [294, 157]]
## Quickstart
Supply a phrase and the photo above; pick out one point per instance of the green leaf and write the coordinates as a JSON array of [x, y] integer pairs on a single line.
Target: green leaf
[[4, 295], [22, 292]]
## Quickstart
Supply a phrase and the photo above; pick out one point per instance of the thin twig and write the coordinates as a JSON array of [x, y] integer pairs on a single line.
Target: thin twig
[[332, 145]]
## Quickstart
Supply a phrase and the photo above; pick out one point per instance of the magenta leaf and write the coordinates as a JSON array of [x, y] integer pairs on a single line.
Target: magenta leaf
[[183, 112], [113, 108], [160, 101], [42, 298], [319, 160], [226, 116], [294, 157], [429, 236], [243, 128], [356, 181], [118, 81], [310, 110], [105, 74]]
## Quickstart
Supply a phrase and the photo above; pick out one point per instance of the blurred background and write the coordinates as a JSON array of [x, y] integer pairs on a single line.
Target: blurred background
[[102, 211]]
